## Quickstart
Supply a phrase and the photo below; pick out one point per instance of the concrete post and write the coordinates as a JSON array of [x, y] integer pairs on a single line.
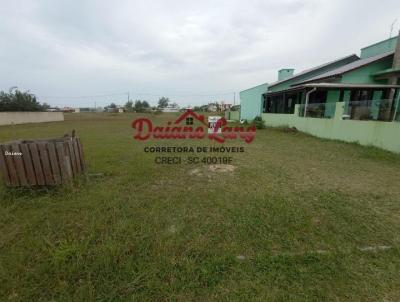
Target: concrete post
[[296, 110], [339, 110]]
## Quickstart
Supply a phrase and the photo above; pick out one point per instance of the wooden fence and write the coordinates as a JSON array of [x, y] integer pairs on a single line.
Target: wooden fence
[[41, 162]]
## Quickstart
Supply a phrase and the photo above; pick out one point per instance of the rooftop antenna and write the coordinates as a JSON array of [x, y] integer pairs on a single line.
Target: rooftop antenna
[[391, 27]]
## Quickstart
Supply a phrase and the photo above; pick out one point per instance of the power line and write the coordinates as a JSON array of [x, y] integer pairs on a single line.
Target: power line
[[138, 93], [81, 97]]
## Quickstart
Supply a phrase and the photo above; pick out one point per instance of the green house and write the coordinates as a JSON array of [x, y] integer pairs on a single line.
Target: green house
[[368, 85], [251, 101]]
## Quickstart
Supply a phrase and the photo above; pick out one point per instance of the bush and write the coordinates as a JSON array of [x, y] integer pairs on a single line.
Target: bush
[[258, 122]]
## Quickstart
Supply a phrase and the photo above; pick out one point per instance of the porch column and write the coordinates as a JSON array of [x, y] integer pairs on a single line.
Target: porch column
[[395, 65], [397, 101]]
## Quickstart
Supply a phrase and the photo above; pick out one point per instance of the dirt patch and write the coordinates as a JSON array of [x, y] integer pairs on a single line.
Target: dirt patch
[[195, 172], [172, 229], [221, 168], [290, 130]]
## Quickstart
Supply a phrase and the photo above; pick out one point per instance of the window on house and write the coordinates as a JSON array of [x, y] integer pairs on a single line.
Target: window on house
[[318, 96], [341, 95], [189, 121], [267, 104], [275, 104], [360, 106], [361, 95], [290, 101], [281, 103], [264, 106]]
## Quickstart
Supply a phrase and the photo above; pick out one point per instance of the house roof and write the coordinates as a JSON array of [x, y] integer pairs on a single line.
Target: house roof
[[254, 87], [352, 57], [332, 86], [349, 67], [345, 85], [190, 112]]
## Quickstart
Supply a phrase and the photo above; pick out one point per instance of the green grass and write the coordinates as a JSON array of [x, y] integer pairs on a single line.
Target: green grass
[[296, 211]]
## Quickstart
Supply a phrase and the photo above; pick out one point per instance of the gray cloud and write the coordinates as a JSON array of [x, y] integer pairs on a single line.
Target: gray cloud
[[175, 48]]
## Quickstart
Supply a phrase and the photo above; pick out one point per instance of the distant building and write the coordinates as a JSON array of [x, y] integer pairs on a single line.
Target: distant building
[[225, 106], [114, 109], [171, 108], [91, 109], [212, 107]]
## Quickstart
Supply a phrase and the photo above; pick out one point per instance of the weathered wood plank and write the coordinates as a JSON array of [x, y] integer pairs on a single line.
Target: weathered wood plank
[[37, 164], [4, 168], [65, 171], [19, 165], [72, 156], [44, 157], [12, 171], [30, 172], [77, 156], [68, 159], [83, 164], [55, 168]]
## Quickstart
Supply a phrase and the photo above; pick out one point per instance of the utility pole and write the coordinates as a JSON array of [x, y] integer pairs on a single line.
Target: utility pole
[[234, 98], [391, 27], [128, 96]]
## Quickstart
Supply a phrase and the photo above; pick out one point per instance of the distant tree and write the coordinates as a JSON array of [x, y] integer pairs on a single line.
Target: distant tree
[[163, 102], [138, 105], [145, 105], [129, 106], [16, 100], [45, 106], [141, 106], [112, 105]]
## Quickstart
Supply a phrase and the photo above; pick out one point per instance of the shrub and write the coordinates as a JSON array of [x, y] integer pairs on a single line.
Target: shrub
[[258, 122]]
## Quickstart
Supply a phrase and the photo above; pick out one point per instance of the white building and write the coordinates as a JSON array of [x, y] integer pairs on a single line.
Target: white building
[[171, 108]]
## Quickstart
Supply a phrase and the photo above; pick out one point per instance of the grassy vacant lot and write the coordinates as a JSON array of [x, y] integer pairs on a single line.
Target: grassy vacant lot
[[298, 219]]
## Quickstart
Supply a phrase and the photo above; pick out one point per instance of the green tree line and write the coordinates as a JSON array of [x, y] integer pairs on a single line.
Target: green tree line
[[16, 100]]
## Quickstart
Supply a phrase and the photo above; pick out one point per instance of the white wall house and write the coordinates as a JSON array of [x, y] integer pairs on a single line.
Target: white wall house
[[171, 108]]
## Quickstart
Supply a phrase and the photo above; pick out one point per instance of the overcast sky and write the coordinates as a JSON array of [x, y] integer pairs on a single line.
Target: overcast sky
[[190, 51]]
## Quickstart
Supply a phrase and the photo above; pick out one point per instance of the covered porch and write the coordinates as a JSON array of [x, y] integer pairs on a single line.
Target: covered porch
[[378, 102]]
